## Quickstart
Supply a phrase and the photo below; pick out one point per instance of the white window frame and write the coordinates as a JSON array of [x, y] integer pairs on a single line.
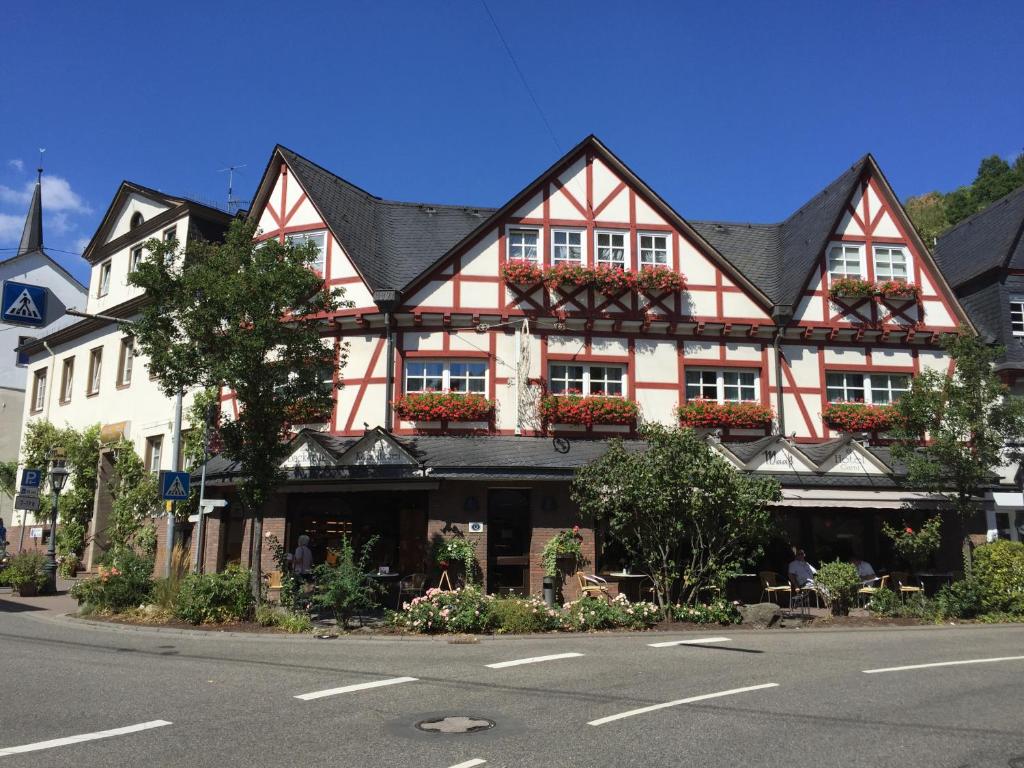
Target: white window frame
[[653, 250], [103, 285], [154, 452], [1017, 326], [39, 389], [95, 373], [510, 247], [301, 238], [868, 387], [446, 374], [135, 256], [581, 234], [172, 231], [832, 274], [67, 379], [586, 386], [626, 256], [125, 361], [902, 251], [720, 375]]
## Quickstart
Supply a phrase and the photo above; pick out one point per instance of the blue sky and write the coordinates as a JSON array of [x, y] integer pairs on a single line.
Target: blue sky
[[729, 110]]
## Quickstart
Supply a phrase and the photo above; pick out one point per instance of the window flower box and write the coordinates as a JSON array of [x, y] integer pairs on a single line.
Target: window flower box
[[894, 290], [612, 281], [708, 413], [587, 409], [299, 412], [443, 406], [660, 279], [522, 272], [851, 288], [569, 274], [859, 417]]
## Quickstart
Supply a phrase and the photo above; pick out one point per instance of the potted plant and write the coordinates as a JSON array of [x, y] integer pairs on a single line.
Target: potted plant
[[894, 290], [575, 408], [707, 413], [444, 406], [25, 573], [522, 272], [457, 549], [850, 288], [562, 552], [859, 417]]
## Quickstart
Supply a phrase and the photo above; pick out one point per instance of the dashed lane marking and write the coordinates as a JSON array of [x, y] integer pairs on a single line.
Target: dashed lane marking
[[353, 688], [697, 641], [532, 660], [469, 763], [40, 745], [942, 664], [677, 702]]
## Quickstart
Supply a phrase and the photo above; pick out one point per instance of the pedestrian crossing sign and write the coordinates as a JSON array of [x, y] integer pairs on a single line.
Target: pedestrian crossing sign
[[174, 485], [23, 304]]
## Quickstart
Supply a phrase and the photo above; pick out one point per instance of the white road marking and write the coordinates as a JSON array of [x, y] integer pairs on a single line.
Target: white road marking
[[698, 641], [942, 664], [469, 763], [532, 660], [691, 700], [5, 752], [356, 687]]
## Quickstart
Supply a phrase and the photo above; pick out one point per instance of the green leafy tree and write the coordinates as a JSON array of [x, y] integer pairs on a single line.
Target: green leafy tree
[[248, 317], [346, 588], [679, 510], [916, 547], [928, 214], [8, 477]]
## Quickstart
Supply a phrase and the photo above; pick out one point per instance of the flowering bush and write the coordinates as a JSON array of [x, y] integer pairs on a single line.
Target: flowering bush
[[893, 289], [520, 615], [707, 413], [851, 287], [444, 406], [458, 610], [591, 613], [718, 611], [660, 279], [859, 417], [522, 272], [916, 547], [575, 408], [563, 544]]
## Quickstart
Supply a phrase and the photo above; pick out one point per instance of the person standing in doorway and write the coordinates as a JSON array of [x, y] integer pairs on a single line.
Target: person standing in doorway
[[302, 560]]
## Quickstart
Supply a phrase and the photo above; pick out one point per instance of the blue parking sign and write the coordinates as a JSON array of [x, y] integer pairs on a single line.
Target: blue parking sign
[[23, 304], [174, 485], [30, 478]]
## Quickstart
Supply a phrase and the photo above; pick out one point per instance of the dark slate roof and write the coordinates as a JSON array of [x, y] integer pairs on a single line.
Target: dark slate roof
[[779, 257], [391, 243], [989, 239]]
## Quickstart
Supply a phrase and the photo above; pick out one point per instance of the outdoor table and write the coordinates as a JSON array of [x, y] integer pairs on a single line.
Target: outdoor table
[[934, 577], [631, 580], [388, 580]]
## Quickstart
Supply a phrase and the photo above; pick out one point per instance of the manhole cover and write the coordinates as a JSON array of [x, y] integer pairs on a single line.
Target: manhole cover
[[455, 724]]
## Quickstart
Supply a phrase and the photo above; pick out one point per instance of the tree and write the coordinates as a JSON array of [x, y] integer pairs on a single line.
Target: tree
[[8, 477], [248, 317], [970, 421], [678, 509], [345, 587], [928, 213]]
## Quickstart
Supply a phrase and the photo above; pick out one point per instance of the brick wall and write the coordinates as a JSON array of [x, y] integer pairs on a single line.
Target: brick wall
[[29, 544], [214, 525]]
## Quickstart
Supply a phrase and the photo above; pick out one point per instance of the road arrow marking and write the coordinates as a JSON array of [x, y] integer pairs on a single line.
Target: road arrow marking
[[39, 745]]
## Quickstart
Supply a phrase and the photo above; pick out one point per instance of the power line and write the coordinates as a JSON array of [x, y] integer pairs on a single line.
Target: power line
[[522, 77]]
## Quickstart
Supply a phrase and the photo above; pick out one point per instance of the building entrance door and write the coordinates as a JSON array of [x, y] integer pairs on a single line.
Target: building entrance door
[[508, 541]]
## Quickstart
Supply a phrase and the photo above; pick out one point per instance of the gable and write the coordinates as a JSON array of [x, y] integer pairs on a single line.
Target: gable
[[377, 449], [308, 453], [852, 458], [134, 202], [779, 456]]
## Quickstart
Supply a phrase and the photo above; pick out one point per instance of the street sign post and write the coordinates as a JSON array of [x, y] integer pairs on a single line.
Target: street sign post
[[23, 304], [174, 486], [31, 478], [29, 503]]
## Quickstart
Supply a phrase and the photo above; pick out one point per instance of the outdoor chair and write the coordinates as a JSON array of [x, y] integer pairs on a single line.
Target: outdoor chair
[[905, 586], [593, 586], [801, 594], [414, 584], [274, 580], [771, 588], [865, 593]]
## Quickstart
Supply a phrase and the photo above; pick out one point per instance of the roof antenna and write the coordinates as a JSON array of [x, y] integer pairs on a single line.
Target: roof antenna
[[233, 204]]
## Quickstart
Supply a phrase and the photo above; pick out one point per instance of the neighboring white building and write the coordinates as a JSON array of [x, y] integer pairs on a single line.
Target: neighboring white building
[[88, 372], [29, 266]]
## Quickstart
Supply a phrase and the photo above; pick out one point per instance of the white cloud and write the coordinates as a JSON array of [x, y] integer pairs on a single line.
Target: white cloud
[[16, 164], [57, 195], [59, 223], [10, 228]]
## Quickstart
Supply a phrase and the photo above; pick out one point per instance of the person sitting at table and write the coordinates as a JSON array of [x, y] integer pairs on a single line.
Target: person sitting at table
[[800, 571], [864, 570]]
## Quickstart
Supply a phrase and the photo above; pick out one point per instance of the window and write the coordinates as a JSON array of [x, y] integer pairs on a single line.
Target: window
[[876, 388], [39, 390], [568, 246], [721, 386], [522, 244], [136, 220], [125, 361], [446, 376], [21, 358], [154, 446], [844, 261], [95, 367], [104, 284], [1017, 315], [171, 233], [135, 258], [67, 380], [319, 239], [611, 249], [890, 263], [653, 250], [585, 379]]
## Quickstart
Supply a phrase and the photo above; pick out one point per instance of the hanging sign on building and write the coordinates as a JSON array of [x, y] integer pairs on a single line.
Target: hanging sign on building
[[23, 304]]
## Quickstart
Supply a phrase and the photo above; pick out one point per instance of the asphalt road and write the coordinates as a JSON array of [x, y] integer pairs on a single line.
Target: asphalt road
[[229, 701]]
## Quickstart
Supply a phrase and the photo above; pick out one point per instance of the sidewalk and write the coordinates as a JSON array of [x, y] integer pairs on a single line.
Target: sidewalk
[[59, 604]]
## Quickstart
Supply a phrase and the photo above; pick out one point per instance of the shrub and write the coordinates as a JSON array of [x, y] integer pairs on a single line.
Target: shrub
[[888, 604], [839, 583], [999, 572], [563, 544], [268, 615], [165, 590], [591, 613], [458, 610], [123, 581], [916, 547], [215, 597], [718, 611], [67, 566], [25, 568], [345, 588], [959, 600], [520, 615]]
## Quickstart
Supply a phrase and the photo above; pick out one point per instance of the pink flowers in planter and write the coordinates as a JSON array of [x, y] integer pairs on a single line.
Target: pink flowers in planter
[[522, 272], [860, 417], [609, 280], [443, 406], [855, 288], [893, 289], [587, 409], [708, 413]]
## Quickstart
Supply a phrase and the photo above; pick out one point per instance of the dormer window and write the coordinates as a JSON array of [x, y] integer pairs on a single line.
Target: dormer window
[[319, 239], [1017, 315], [136, 220], [844, 260], [890, 263]]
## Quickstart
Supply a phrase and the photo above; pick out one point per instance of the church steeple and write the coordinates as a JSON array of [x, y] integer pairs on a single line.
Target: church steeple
[[32, 235]]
